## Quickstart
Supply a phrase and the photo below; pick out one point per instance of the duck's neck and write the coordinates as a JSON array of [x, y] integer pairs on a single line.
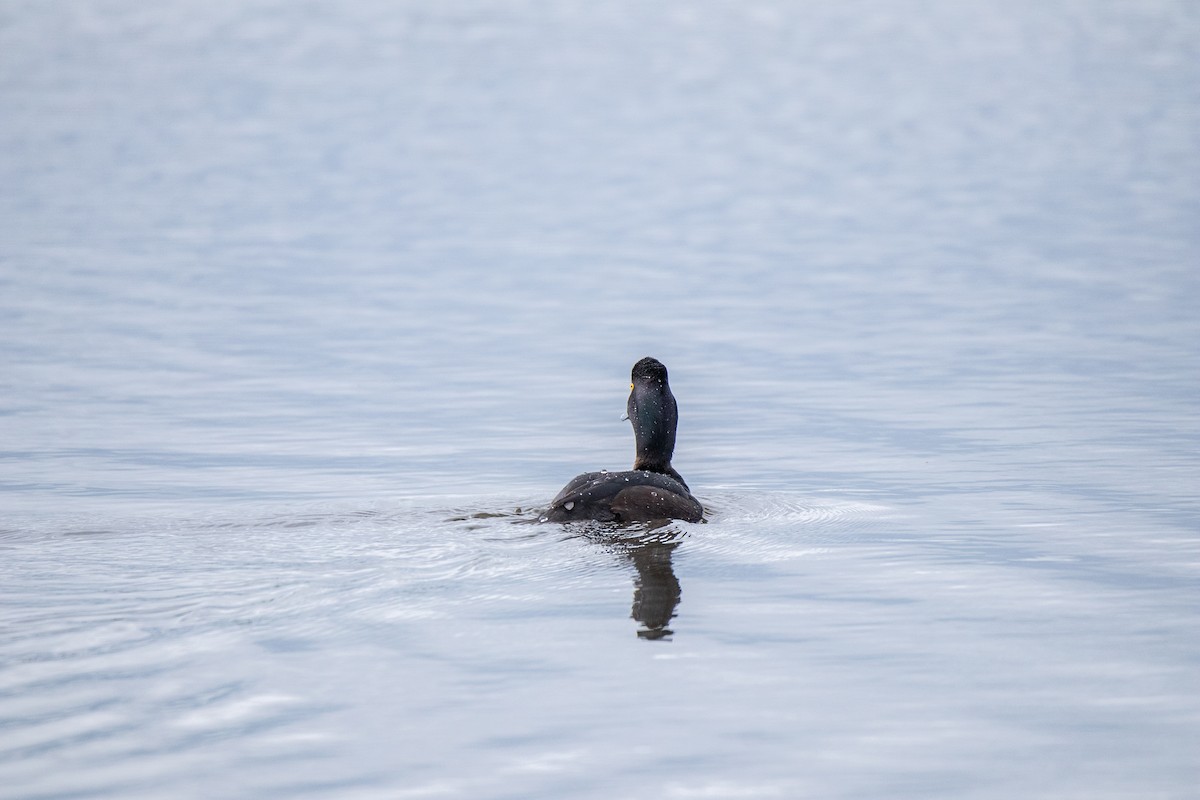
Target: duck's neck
[[654, 415]]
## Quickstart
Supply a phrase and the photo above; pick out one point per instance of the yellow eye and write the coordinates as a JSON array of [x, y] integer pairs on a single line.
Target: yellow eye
[[631, 387]]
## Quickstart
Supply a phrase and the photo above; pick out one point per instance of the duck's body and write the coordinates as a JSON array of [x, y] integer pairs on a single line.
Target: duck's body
[[631, 496], [652, 490]]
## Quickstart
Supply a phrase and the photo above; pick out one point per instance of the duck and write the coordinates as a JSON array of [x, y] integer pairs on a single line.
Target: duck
[[653, 490]]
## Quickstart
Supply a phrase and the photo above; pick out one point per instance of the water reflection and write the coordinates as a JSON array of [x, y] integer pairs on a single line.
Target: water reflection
[[648, 546], [656, 590]]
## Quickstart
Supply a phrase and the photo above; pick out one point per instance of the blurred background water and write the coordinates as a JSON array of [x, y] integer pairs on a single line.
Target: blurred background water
[[307, 308]]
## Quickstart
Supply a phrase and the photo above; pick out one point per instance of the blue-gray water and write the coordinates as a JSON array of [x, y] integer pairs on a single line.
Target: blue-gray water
[[306, 307]]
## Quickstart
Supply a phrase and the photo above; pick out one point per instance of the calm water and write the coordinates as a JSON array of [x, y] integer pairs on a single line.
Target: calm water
[[305, 309]]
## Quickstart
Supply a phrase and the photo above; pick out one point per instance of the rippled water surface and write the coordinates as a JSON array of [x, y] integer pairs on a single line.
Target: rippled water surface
[[306, 311]]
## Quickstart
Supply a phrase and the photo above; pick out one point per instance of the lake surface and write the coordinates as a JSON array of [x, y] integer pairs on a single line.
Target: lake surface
[[306, 310]]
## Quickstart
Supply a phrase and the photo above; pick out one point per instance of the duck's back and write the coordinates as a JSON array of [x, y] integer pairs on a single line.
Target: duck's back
[[629, 496]]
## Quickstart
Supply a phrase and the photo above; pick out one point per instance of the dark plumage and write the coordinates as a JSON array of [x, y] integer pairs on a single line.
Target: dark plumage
[[652, 490]]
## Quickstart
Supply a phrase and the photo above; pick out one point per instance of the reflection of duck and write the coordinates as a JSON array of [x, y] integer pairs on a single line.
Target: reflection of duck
[[656, 590], [652, 490]]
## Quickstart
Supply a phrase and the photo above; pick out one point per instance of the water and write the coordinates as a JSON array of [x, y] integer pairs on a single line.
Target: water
[[306, 310]]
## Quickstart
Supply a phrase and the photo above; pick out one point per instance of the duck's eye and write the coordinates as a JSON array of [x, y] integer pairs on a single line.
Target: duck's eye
[[631, 387]]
